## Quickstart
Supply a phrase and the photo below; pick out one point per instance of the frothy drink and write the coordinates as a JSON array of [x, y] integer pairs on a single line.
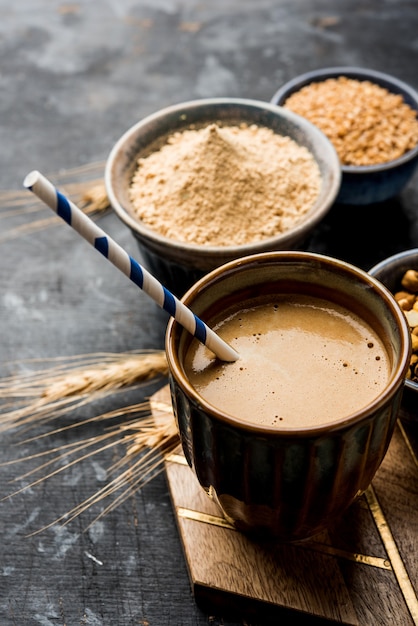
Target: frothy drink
[[324, 350], [304, 361]]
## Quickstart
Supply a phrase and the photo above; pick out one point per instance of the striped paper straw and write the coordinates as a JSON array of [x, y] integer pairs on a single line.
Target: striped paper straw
[[70, 213]]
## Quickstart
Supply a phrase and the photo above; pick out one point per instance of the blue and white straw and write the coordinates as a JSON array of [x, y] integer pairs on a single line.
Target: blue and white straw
[[70, 213]]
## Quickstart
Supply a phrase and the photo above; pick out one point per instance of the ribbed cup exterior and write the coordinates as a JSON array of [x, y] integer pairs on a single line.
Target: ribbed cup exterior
[[288, 487]]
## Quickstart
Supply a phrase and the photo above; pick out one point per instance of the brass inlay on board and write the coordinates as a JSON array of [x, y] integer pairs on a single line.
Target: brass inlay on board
[[197, 516], [365, 559], [214, 520], [395, 562], [393, 553]]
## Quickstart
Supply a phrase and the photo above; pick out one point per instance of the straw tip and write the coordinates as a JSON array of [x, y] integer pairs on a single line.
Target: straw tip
[[31, 179]]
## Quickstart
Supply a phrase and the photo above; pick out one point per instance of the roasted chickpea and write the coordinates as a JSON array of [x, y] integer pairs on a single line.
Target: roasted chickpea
[[407, 299], [410, 281]]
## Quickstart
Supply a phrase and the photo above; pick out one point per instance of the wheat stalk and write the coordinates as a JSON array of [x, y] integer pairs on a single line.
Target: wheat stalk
[[65, 384], [78, 380], [145, 440], [71, 383], [90, 195]]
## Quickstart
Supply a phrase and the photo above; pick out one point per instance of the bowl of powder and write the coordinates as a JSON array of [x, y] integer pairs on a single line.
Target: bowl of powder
[[371, 119], [204, 182]]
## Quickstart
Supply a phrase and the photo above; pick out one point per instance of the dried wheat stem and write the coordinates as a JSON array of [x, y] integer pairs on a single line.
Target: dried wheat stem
[[123, 373], [130, 480], [142, 462], [54, 391], [139, 410], [72, 382], [95, 198], [90, 195]]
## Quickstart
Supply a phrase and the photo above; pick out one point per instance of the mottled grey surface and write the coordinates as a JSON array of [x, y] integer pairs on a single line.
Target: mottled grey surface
[[73, 77]]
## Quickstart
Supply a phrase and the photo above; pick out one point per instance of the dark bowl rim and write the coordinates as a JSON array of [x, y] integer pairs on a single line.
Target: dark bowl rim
[[308, 221], [385, 264], [353, 72], [397, 379]]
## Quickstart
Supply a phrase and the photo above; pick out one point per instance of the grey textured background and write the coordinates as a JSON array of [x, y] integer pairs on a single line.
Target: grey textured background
[[73, 77]]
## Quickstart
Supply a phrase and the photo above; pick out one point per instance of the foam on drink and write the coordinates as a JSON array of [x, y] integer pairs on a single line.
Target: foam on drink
[[304, 361]]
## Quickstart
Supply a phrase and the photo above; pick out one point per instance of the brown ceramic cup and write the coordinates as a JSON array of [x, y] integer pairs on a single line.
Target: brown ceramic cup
[[289, 483]]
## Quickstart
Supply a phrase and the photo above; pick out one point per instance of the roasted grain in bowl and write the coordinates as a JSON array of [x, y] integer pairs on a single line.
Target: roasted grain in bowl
[[371, 118]]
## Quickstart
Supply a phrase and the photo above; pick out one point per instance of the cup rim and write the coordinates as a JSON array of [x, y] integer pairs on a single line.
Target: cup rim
[[150, 236], [321, 74], [397, 377]]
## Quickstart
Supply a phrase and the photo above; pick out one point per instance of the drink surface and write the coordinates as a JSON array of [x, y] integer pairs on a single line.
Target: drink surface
[[304, 361]]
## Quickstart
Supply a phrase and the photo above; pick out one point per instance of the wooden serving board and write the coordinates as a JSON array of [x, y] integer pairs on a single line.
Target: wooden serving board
[[363, 572]]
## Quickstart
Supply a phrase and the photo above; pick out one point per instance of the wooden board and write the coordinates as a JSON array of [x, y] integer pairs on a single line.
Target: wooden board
[[363, 571]]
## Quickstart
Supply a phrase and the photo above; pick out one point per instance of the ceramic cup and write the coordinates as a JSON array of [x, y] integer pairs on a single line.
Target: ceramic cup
[[287, 483]]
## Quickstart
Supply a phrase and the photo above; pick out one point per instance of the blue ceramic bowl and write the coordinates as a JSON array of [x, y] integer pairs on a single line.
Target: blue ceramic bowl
[[389, 272], [365, 184], [177, 264]]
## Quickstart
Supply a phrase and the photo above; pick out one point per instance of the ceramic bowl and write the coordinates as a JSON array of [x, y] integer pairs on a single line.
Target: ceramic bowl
[[369, 183], [178, 265], [286, 480], [390, 272]]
